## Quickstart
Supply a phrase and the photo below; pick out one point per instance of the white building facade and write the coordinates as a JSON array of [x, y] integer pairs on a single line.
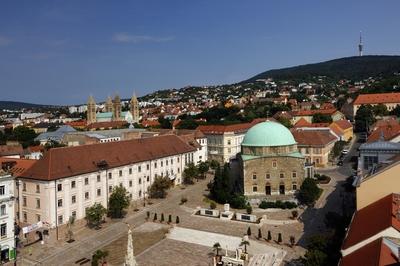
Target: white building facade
[[7, 215]]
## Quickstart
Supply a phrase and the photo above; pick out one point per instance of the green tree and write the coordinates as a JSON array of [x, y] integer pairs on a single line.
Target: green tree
[[269, 236], [164, 123], [203, 168], [380, 110], [249, 209], [315, 257], [162, 217], [285, 121], [99, 257], [169, 219], [159, 187], [119, 200], [24, 135], [70, 233], [321, 118], [188, 123], [309, 191], [217, 248], [364, 118], [395, 111], [190, 173], [259, 234], [95, 214], [214, 164], [249, 231], [245, 243]]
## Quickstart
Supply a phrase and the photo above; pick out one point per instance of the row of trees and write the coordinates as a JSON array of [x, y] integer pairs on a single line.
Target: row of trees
[[24, 135]]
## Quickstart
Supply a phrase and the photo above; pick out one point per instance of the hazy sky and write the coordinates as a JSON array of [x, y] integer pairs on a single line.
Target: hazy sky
[[59, 52]]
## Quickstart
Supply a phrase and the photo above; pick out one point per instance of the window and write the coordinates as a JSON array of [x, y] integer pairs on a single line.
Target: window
[[148, 166], [254, 176], [86, 181], [3, 209], [73, 199], [267, 175], [229, 150], [120, 173], [229, 142], [166, 162], [109, 175], [140, 168], [98, 178], [148, 178], [59, 187], [98, 192], [24, 201], [130, 171], [86, 195], [38, 218], [37, 188], [73, 184], [254, 188], [282, 175], [110, 189], [130, 183], [294, 186], [3, 230], [73, 214], [274, 164], [140, 193], [2, 188], [179, 170], [25, 216], [294, 174], [59, 203], [172, 161], [178, 159], [162, 163], [37, 203], [60, 219], [155, 164], [140, 181]]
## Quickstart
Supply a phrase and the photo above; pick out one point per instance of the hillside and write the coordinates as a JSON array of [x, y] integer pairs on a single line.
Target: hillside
[[354, 68], [11, 105]]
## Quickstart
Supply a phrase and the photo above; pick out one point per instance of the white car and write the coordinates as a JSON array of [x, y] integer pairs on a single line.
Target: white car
[[345, 151]]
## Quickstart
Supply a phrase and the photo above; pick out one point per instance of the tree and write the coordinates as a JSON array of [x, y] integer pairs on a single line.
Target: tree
[[214, 164], [177, 220], [53, 144], [309, 191], [269, 237], [159, 187], [188, 123], [364, 118], [285, 121], [70, 233], [396, 111], [169, 219], [203, 168], [119, 200], [217, 248], [245, 243], [321, 118], [248, 231], [162, 217], [95, 214], [99, 257], [380, 110], [213, 205], [259, 234], [279, 238], [249, 209], [190, 173], [24, 135], [164, 123], [315, 257]]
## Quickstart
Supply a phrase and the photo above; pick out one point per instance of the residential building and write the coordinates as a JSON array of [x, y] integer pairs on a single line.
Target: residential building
[[343, 128], [388, 130], [11, 151], [374, 153], [68, 180], [55, 136], [7, 217], [315, 145], [269, 162], [390, 100], [308, 115], [224, 141]]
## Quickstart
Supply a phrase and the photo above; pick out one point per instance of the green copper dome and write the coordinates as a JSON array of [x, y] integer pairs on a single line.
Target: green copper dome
[[268, 134]]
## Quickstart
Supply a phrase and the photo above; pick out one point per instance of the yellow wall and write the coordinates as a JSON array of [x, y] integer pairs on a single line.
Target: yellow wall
[[378, 186]]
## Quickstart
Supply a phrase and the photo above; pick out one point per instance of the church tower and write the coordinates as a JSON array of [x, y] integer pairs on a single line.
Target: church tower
[[109, 105], [91, 110], [116, 109], [135, 109]]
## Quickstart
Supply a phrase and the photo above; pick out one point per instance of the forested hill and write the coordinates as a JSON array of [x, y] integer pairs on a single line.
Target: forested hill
[[354, 68], [11, 105]]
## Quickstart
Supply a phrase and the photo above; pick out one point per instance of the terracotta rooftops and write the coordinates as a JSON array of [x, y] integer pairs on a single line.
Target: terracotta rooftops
[[8, 150], [375, 253], [387, 132], [313, 137], [70, 161], [313, 112], [236, 128], [343, 124], [16, 166], [376, 98], [373, 219], [110, 124]]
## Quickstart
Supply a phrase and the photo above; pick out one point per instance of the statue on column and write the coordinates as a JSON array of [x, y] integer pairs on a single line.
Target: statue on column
[[130, 259]]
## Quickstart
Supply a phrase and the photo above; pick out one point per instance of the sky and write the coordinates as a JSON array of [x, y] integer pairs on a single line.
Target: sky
[[60, 52]]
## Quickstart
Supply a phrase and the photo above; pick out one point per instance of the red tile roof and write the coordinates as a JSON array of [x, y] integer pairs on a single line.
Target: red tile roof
[[343, 124], [8, 150], [69, 161], [388, 132], [237, 128], [313, 137], [111, 124], [375, 253], [312, 112], [376, 98], [302, 123], [18, 166], [81, 123], [373, 219], [150, 123]]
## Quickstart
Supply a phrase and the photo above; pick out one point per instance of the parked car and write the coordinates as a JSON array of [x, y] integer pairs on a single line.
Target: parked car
[[345, 152]]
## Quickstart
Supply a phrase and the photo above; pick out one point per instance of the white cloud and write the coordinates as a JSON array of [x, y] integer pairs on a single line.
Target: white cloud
[[4, 41], [129, 38]]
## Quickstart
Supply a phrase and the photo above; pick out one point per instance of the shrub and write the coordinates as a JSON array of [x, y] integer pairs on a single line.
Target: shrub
[[248, 231], [249, 209], [169, 218], [183, 200], [213, 205], [162, 217], [238, 201], [295, 213], [309, 191], [155, 217], [278, 204]]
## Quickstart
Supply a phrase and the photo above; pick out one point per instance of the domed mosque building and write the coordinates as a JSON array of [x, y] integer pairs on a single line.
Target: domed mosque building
[[270, 161]]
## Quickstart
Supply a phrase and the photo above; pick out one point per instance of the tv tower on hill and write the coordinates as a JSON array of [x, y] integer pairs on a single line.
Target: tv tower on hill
[[360, 46]]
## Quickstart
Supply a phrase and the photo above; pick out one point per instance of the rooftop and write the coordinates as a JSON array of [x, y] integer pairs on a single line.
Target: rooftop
[[376, 98], [268, 134], [313, 137]]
